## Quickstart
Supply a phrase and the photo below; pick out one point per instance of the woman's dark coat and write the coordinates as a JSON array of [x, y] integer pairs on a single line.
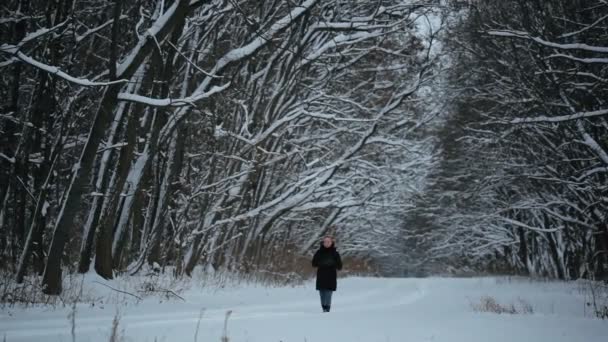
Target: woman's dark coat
[[328, 262]]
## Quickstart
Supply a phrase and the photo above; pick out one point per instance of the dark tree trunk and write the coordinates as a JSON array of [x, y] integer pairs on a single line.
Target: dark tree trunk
[[81, 175], [78, 186]]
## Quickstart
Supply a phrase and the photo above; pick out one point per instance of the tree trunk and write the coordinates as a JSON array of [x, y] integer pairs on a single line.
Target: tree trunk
[[82, 170], [77, 187], [99, 209], [42, 176]]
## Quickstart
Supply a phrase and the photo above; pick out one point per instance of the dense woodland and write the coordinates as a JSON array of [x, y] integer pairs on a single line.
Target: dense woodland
[[523, 180], [427, 136]]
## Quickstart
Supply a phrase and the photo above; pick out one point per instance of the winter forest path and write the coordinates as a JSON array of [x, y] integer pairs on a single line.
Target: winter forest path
[[363, 309]]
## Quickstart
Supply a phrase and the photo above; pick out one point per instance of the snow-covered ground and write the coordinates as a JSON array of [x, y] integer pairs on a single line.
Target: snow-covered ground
[[364, 309]]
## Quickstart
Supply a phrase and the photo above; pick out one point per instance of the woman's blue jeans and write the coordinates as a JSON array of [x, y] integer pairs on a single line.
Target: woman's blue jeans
[[325, 297]]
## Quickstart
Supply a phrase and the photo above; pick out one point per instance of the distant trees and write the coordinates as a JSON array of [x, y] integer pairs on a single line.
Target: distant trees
[[180, 132], [531, 76]]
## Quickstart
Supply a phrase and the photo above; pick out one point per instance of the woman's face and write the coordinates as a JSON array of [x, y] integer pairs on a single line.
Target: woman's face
[[327, 242]]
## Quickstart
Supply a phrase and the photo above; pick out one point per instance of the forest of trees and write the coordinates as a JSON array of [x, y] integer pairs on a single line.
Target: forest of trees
[[236, 133], [523, 181], [229, 133]]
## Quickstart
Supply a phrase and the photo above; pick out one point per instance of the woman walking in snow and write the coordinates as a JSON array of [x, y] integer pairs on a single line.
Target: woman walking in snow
[[327, 261]]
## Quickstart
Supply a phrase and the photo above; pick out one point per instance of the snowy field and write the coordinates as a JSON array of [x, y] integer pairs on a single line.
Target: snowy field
[[364, 309]]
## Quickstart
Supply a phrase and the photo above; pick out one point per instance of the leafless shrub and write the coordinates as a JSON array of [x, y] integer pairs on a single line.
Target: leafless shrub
[[525, 307], [154, 285], [596, 297], [510, 279], [115, 335], [225, 333], [72, 318], [29, 292], [490, 304], [163, 285], [75, 289], [198, 324]]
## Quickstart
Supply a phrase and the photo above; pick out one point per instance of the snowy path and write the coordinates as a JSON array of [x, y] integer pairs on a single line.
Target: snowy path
[[364, 309]]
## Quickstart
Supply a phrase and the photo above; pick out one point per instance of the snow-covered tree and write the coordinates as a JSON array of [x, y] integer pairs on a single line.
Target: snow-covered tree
[[533, 76], [180, 132]]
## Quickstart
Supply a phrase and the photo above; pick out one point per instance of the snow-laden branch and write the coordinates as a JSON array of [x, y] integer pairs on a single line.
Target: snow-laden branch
[[14, 50], [588, 27], [169, 102], [560, 118], [589, 173], [38, 33], [587, 138], [7, 158], [334, 117], [15, 18], [156, 33], [361, 25], [574, 73], [526, 35], [592, 143], [232, 56], [294, 195], [342, 39], [327, 172], [253, 46], [352, 202], [8, 62], [577, 59], [262, 39], [385, 141], [80, 37], [568, 219]]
